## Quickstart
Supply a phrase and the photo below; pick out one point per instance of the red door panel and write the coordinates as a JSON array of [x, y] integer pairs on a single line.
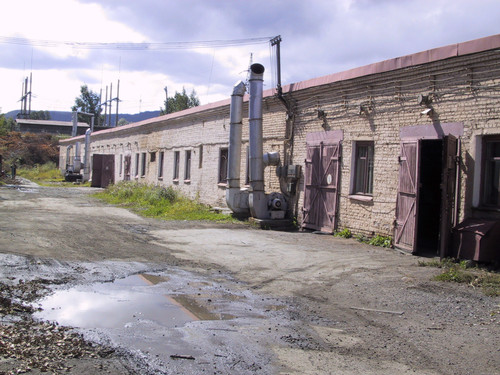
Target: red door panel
[[405, 234], [321, 185]]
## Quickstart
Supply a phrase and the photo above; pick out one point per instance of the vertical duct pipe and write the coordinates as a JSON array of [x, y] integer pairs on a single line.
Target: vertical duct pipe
[[257, 198], [86, 157], [236, 200], [68, 156], [74, 117], [77, 162]]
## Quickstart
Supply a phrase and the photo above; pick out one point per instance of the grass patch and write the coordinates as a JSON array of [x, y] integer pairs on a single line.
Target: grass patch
[[466, 272], [41, 173], [46, 175], [159, 202]]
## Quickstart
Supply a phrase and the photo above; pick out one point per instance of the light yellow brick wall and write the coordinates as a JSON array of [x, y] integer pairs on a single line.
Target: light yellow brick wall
[[465, 90]]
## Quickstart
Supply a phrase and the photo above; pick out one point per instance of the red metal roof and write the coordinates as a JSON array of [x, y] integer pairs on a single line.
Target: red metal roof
[[419, 58]]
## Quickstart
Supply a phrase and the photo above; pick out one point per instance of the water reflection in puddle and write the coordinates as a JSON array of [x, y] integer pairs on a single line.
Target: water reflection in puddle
[[122, 303]]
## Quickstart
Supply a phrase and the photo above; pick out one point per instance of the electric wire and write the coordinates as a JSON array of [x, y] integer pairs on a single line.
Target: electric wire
[[146, 46]]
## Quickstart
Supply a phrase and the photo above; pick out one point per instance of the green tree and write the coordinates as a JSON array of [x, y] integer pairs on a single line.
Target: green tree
[[122, 122], [87, 102], [180, 101], [6, 125]]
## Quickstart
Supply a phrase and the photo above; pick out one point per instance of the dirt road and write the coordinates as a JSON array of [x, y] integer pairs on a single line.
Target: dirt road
[[255, 302]]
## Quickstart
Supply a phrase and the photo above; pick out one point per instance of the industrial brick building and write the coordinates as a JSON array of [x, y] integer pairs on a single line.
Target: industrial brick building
[[408, 148]]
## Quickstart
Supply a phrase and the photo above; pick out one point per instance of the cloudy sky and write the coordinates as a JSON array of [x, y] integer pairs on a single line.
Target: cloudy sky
[[68, 43]]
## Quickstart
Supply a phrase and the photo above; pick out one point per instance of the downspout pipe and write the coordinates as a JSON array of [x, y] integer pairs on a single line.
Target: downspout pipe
[[257, 198], [236, 199]]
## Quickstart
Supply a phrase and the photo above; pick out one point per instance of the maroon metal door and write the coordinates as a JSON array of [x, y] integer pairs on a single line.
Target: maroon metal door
[[103, 170], [448, 189], [405, 233], [321, 185]]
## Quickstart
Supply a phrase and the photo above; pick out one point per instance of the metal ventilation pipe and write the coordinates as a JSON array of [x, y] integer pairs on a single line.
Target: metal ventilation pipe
[[236, 199], [68, 153], [257, 198], [255, 127], [77, 163], [74, 129], [86, 157]]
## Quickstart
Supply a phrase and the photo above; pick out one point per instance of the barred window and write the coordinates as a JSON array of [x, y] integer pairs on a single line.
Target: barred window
[[223, 166], [363, 168]]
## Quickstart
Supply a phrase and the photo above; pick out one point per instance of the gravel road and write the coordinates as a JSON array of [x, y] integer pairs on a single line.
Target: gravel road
[[259, 302]]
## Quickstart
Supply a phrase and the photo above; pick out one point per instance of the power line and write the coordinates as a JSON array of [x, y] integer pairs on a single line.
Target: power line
[[134, 46]]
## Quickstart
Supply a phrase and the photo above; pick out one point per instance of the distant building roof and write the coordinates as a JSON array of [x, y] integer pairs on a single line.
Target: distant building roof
[[50, 127], [50, 123]]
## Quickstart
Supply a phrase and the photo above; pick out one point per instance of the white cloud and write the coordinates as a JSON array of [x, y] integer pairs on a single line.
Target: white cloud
[[319, 37]]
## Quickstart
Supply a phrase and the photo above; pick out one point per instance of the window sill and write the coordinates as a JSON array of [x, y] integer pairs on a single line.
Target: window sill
[[187, 181], [361, 198], [160, 178], [222, 185], [175, 181]]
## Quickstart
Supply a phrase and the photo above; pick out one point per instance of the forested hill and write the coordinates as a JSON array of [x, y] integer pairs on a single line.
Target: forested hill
[[66, 116]]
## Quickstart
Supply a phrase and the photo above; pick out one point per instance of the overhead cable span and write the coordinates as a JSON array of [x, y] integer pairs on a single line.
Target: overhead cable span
[[135, 46]]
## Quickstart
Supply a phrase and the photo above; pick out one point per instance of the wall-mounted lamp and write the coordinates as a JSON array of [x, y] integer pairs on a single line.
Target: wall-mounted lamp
[[427, 111], [364, 110], [424, 100], [322, 115]]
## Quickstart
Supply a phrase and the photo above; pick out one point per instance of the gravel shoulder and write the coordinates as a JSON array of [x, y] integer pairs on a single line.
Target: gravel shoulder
[[337, 306]]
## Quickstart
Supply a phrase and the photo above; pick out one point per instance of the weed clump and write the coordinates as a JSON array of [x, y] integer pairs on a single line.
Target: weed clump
[[344, 233], [378, 240], [466, 272], [383, 241]]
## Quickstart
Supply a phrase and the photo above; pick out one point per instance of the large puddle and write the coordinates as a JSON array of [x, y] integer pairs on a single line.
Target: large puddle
[[123, 303]]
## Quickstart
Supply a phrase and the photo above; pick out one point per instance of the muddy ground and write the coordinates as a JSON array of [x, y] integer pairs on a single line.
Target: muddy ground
[[255, 302]]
